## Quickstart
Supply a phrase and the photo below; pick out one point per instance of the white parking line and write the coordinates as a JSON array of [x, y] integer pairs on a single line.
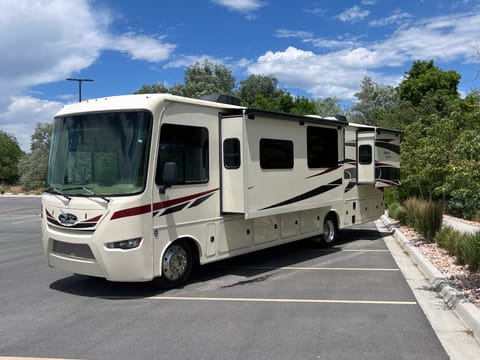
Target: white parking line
[[14, 249], [315, 268], [8, 210], [25, 221], [19, 217], [267, 300], [363, 250]]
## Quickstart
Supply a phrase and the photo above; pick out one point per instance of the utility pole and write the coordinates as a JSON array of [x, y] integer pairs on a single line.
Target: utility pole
[[79, 86]]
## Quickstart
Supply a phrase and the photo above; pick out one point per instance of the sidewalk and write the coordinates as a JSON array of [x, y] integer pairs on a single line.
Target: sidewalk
[[461, 225], [453, 299]]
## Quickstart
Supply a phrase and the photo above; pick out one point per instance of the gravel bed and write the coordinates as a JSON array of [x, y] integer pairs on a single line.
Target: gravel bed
[[465, 281]]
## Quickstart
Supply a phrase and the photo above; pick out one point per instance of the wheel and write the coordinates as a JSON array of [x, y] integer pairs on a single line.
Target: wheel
[[329, 231], [176, 264]]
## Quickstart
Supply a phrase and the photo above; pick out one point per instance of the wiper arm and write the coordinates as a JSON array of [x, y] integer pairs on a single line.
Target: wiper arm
[[53, 190], [88, 190]]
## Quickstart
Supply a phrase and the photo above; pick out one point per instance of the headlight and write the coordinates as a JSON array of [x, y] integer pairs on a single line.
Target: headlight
[[124, 244]]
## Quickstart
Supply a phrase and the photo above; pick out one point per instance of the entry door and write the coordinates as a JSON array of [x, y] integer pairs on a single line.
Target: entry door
[[365, 156], [233, 165]]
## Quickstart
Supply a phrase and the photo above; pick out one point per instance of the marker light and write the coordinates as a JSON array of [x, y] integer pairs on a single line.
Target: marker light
[[124, 244]]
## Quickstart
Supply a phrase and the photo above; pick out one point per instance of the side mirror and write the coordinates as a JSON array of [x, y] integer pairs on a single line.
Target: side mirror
[[169, 176]]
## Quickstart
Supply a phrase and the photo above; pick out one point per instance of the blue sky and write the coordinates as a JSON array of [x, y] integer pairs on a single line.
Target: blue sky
[[314, 48]]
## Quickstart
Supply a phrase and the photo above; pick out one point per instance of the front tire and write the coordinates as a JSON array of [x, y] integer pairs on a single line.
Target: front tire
[[177, 262]]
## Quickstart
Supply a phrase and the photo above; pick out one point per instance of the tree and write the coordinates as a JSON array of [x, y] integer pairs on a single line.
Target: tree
[[303, 106], [33, 166], [152, 89], [257, 85], [373, 99], [426, 152], [462, 183], [10, 154], [425, 81], [207, 79], [328, 107]]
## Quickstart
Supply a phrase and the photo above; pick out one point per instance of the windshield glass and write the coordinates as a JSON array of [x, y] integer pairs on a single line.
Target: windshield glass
[[100, 154]]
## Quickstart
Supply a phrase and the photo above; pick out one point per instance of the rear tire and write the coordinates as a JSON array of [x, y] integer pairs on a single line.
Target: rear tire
[[330, 231], [177, 262]]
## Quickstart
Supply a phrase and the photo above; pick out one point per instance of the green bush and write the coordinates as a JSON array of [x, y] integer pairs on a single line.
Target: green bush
[[466, 247], [449, 239], [398, 212], [391, 196], [469, 251], [424, 216], [463, 204]]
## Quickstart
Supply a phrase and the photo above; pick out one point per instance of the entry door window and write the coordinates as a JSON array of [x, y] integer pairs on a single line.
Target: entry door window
[[365, 154]]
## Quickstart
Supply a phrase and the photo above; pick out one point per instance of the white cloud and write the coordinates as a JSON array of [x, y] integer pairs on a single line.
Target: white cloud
[[240, 5], [353, 14], [47, 41], [141, 47], [397, 17], [338, 73], [185, 61], [320, 75], [22, 115], [300, 34]]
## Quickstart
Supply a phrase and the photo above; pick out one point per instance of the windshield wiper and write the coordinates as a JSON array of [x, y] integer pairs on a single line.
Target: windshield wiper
[[88, 190], [55, 191]]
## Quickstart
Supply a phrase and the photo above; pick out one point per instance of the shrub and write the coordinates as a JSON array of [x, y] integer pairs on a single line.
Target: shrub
[[398, 212], [469, 251], [449, 239], [463, 204], [424, 216]]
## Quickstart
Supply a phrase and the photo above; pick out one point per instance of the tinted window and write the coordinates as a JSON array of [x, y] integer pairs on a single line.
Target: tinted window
[[100, 153], [187, 146], [276, 154], [322, 147], [231, 153], [365, 154]]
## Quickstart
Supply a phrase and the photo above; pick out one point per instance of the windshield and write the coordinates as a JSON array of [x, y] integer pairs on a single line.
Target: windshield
[[100, 154]]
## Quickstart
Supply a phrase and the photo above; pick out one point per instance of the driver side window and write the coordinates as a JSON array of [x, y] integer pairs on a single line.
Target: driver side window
[[187, 146]]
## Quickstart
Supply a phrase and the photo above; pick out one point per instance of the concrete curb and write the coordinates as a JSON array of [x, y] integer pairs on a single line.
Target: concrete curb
[[455, 300]]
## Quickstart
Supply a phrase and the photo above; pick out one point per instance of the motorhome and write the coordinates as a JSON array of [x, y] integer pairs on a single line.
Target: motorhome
[[142, 187]]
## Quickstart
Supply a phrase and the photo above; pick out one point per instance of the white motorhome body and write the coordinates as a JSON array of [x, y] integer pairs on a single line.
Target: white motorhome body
[[141, 186]]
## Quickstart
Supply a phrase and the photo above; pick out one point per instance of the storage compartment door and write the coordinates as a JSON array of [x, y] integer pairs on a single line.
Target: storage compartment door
[[232, 165], [365, 157]]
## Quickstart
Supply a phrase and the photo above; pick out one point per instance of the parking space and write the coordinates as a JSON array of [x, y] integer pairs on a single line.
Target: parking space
[[296, 301]]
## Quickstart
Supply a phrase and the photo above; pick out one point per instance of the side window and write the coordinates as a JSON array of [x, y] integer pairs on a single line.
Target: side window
[[231, 153], [276, 154], [322, 147], [187, 146], [365, 154]]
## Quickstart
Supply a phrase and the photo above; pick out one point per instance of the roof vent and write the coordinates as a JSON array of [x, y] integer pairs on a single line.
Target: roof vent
[[222, 98]]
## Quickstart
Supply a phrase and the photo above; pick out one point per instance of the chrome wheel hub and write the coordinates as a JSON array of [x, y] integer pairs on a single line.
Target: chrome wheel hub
[[175, 262]]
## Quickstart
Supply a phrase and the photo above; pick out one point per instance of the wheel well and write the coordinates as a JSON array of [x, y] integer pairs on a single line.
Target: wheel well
[[193, 247], [334, 216]]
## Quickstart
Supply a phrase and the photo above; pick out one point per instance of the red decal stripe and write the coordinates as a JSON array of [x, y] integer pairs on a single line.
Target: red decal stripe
[[168, 203], [324, 172], [143, 209], [94, 219], [139, 210]]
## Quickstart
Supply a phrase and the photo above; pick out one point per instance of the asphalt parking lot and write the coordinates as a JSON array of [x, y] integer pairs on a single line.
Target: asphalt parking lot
[[296, 301]]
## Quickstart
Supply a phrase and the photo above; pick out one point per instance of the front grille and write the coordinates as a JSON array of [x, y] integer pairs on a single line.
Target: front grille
[[81, 251]]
